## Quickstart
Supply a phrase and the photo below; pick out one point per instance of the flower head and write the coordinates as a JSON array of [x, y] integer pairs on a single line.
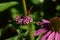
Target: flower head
[[50, 31], [23, 19]]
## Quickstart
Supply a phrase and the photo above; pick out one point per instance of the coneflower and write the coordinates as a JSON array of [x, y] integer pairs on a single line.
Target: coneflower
[[51, 29]]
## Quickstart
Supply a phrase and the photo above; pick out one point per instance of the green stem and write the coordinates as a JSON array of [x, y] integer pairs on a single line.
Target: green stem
[[31, 31], [24, 5]]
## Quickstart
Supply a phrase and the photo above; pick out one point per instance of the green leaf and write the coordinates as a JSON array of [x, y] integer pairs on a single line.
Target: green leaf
[[4, 6], [1, 29], [25, 27], [14, 38], [58, 7], [39, 37], [36, 2], [14, 12]]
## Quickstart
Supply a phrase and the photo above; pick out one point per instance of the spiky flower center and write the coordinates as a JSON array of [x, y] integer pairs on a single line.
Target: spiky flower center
[[55, 24]]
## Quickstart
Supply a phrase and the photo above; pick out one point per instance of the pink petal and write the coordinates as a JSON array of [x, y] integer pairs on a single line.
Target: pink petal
[[45, 21], [46, 35], [57, 36], [40, 31], [52, 36]]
